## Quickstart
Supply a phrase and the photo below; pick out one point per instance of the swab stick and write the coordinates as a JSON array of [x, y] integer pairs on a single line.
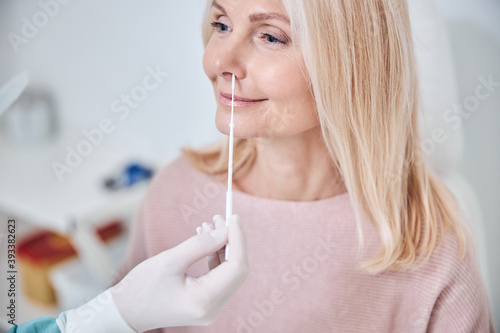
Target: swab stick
[[229, 194]]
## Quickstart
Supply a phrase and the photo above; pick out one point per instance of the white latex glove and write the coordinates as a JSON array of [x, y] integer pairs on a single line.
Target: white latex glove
[[158, 293], [216, 258]]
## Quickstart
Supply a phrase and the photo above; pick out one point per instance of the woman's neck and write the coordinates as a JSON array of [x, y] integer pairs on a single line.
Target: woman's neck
[[297, 168]]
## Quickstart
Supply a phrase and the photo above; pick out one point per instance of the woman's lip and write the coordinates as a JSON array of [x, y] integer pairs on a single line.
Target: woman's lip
[[238, 101]]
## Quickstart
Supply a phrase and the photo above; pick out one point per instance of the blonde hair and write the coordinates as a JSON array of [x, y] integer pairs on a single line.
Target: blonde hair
[[360, 60]]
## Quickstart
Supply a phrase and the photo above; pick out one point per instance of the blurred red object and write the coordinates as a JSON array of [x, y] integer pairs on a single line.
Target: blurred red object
[[39, 252]]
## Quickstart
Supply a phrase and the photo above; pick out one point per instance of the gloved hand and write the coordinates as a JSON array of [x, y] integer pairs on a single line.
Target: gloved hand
[[158, 293]]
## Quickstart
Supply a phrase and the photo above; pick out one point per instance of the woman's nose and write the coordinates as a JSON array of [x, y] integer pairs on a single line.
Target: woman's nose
[[230, 59]]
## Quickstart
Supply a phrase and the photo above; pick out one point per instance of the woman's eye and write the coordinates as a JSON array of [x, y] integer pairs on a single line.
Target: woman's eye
[[220, 26], [271, 39]]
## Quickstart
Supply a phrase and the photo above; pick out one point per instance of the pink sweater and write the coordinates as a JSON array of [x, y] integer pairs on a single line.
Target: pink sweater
[[303, 276]]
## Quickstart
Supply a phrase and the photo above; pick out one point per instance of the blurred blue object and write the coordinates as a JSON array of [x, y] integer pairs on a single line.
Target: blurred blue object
[[132, 174]]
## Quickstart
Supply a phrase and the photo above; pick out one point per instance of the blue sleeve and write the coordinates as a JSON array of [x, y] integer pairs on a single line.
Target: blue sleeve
[[39, 325]]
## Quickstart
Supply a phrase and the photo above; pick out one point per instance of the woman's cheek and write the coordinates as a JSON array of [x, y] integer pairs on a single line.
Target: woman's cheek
[[275, 80]]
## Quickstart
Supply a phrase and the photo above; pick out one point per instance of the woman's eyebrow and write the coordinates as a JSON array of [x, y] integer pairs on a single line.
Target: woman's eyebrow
[[256, 17], [219, 7], [268, 16]]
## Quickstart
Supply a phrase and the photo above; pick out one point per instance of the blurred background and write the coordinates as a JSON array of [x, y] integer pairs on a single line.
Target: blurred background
[[115, 89]]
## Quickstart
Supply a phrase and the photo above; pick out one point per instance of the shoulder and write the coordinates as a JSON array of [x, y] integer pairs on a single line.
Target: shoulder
[[178, 167], [177, 182], [447, 263], [461, 298], [175, 175]]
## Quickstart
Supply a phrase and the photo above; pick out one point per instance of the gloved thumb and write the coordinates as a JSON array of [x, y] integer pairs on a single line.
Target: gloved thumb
[[238, 253]]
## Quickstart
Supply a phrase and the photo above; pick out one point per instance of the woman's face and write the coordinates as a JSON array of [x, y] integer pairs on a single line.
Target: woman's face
[[252, 40]]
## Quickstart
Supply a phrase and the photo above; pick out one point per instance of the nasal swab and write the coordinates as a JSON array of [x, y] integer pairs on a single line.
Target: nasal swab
[[229, 194]]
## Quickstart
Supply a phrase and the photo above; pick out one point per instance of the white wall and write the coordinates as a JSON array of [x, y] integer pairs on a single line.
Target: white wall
[[475, 33], [93, 51]]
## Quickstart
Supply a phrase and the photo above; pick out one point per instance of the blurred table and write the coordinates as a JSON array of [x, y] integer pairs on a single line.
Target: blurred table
[[31, 190]]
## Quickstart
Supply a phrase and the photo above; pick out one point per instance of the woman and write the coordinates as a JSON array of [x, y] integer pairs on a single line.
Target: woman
[[348, 230]]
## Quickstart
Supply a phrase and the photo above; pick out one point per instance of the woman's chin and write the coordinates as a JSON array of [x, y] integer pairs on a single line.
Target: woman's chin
[[223, 128], [222, 124]]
